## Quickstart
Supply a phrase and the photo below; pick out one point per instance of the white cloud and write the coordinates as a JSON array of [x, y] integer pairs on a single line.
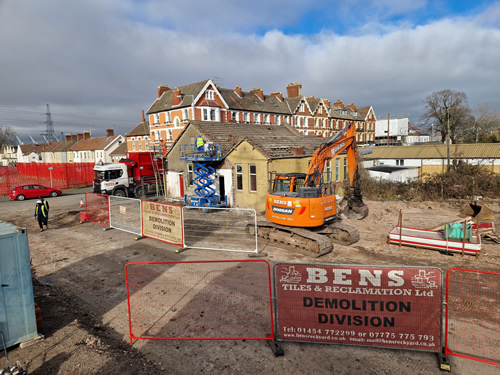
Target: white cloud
[[105, 59]]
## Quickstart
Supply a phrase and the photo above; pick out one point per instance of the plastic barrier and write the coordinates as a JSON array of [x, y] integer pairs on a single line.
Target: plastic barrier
[[473, 315], [97, 208], [200, 300]]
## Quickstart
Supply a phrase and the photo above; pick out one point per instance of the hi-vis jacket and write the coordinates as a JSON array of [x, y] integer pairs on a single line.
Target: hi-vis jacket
[[40, 210]]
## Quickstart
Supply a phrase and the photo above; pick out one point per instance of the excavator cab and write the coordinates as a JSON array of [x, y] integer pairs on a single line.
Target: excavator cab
[[287, 183]]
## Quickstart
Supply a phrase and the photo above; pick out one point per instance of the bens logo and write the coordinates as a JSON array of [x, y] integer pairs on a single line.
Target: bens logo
[[284, 211]]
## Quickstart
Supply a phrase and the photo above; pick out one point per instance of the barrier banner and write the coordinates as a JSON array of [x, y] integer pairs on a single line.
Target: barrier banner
[[389, 307], [162, 221], [97, 208]]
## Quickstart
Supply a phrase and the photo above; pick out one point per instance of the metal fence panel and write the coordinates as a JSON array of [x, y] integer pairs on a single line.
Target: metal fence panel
[[202, 300], [473, 315], [97, 208], [125, 214], [381, 306], [220, 229]]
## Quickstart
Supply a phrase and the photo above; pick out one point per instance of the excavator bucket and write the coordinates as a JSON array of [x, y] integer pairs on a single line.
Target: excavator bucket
[[477, 211], [356, 209]]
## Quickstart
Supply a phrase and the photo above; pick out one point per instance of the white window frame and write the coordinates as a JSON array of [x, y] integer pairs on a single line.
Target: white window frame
[[210, 94], [239, 175], [250, 175], [302, 107], [139, 142], [133, 143]]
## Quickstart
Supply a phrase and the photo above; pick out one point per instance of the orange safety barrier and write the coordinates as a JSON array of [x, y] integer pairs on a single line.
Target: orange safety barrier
[[59, 175], [200, 300], [97, 208], [473, 315]]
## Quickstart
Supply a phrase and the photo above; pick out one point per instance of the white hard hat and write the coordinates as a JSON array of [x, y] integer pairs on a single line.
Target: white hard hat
[[38, 201], [161, 139]]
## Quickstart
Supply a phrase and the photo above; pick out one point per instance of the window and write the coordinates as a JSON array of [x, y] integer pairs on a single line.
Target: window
[[185, 114], [277, 120], [266, 119], [169, 135], [157, 118], [400, 162], [205, 114], [337, 169], [139, 141], [212, 115], [239, 177], [133, 143], [157, 136], [190, 174], [257, 118], [245, 118], [146, 143], [253, 177], [210, 94], [328, 172], [301, 107], [346, 171], [169, 118], [233, 116]]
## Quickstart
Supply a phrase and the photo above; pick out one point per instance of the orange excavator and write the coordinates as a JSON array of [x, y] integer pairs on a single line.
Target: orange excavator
[[301, 209]]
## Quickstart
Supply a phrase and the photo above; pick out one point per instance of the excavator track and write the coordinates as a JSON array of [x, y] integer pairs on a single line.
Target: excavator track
[[339, 233], [294, 239]]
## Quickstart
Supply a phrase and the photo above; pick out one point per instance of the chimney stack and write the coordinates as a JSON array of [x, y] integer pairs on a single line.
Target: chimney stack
[[68, 137], [176, 98], [327, 102], [277, 94], [143, 118], [238, 91], [298, 150], [74, 137], [162, 89], [86, 134], [352, 107], [79, 136], [109, 132], [258, 92], [339, 103], [294, 89]]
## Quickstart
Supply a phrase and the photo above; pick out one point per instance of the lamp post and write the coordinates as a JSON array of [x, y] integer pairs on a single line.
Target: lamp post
[[448, 139]]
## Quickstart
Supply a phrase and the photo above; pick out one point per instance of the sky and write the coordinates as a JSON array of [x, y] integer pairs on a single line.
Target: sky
[[98, 63]]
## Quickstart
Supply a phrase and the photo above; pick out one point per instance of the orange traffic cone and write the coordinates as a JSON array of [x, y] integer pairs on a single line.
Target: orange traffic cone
[[81, 203]]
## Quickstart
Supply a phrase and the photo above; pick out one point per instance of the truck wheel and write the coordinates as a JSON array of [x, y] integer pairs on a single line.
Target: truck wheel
[[140, 191], [119, 193]]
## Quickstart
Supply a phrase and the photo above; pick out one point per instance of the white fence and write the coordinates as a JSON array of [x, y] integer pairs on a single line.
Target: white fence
[[125, 214]]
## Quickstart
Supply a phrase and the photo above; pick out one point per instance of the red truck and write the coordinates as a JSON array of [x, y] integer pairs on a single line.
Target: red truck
[[139, 174]]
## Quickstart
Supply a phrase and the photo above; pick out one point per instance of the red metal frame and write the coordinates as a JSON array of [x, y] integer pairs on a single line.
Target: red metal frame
[[271, 336], [447, 350]]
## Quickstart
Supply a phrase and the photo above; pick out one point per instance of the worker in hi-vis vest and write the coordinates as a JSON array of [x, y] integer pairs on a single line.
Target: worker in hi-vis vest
[[199, 143]]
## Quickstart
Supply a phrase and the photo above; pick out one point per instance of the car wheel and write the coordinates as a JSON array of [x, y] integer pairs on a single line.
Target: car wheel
[[53, 194], [20, 197]]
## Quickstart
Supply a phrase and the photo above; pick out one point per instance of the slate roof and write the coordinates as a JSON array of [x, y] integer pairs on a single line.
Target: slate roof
[[60, 146], [141, 129], [164, 102], [273, 141], [29, 148], [121, 150], [91, 144], [437, 151], [251, 102]]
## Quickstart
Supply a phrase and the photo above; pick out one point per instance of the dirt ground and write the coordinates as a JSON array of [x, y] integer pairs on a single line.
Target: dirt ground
[[79, 285]]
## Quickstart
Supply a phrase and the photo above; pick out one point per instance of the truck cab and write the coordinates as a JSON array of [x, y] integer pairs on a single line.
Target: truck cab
[[111, 178]]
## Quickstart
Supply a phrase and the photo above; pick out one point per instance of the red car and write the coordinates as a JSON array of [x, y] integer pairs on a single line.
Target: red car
[[33, 191]]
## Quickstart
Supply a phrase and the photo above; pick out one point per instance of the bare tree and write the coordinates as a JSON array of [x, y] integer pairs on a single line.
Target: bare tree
[[7, 135], [450, 110], [483, 121]]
